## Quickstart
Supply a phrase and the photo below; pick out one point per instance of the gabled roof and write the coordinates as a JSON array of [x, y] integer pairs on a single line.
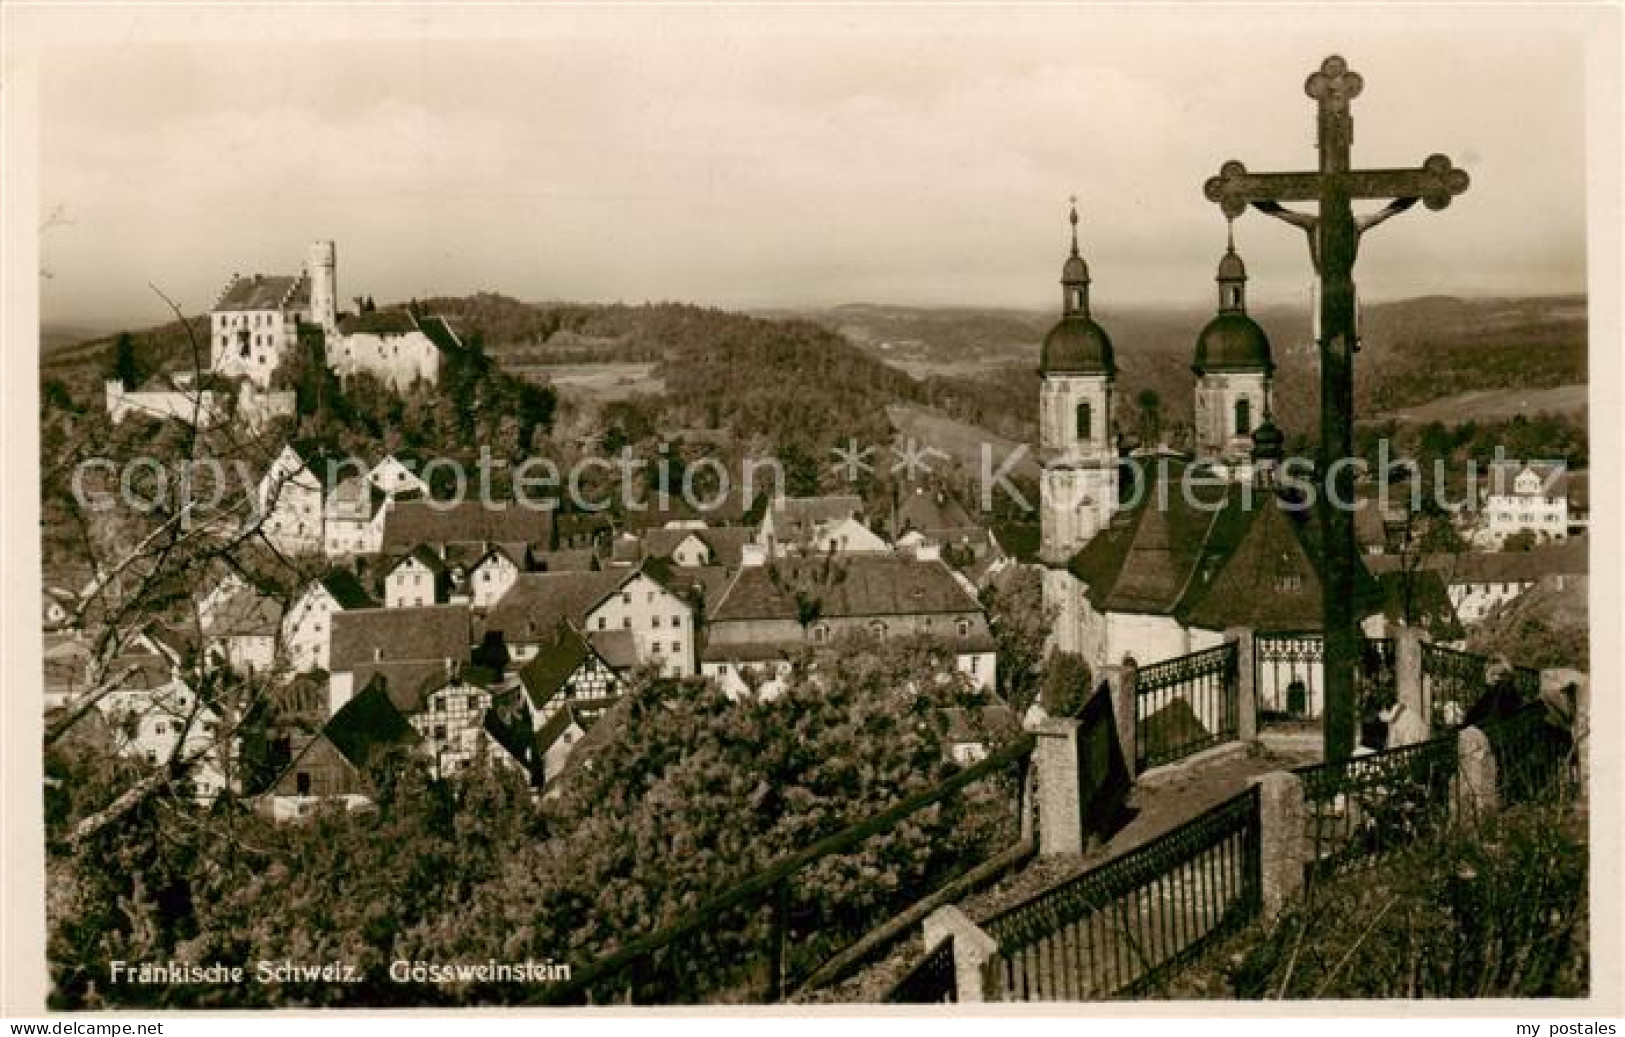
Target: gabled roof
[[426, 633], [932, 512], [616, 647], [346, 589], [513, 736], [245, 613], [367, 725], [538, 602], [554, 664], [423, 555], [410, 523], [441, 333], [408, 684], [1211, 553], [579, 559], [1567, 557], [1554, 476], [265, 292], [726, 543], [356, 499], [852, 585]]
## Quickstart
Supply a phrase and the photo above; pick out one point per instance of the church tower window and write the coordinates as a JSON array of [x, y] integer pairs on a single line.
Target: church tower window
[[1244, 417], [1085, 422]]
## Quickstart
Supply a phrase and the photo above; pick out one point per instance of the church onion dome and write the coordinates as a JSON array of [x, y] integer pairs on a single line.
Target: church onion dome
[[1077, 345], [1232, 341], [1269, 442]]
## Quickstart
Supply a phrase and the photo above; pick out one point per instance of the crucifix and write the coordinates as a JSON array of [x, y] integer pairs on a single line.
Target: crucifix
[[1334, 239]]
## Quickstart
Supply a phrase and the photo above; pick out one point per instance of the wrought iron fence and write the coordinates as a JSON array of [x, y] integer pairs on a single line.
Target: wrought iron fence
[[1185, 705], [777, 928], [1453, 682], [1534, 756], [1123, 928], [1365, 807], [931, 981], [1289, 674]]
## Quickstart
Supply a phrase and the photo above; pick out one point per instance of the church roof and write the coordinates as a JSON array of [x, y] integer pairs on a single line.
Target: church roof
[[1077, 345], [1215, 555], [1232, 342]]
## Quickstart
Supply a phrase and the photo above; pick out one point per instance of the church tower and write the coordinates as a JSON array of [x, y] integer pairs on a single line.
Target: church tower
[[1233, 371], [1078, 490]]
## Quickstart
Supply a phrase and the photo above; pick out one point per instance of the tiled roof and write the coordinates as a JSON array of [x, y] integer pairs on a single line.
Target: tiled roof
[[430, 632], [408, 684], [262, 292], [413, 522], [246, 613], [544, 675], [853, 585], [1568, 557], [615, 647], [441, 333], [726, 543], [538, 602], [932, 512], [515, 737], [355, 498], [579, 559], [367, 725], [1554, 477], [799, 516], [379, 322]]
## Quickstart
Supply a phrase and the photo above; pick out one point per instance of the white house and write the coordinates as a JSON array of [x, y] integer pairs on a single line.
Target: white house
[[613, 601], [240, 630], [491, 577], [395, 478], [392, 345], [307, 628], [460, 729], [157, 718], [818, 525], [291, 499], [1527, 496], [418, 579]]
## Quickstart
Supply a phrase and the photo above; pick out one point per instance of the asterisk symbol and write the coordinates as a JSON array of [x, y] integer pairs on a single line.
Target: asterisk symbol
[[914, 458], [850, 460]]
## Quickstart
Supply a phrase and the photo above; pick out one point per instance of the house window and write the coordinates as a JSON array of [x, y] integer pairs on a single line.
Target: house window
[[603, 623], [655, 622], [1244, 417], [440, 732], [676, 622], [877, 628], [301, 783], [626, 597], [1085, 421], [676, 647], [626, 622], [655, 647], [821, 632], [964, 628]]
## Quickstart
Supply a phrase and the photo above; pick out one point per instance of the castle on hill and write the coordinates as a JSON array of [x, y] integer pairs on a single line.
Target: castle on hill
[[259, 319]]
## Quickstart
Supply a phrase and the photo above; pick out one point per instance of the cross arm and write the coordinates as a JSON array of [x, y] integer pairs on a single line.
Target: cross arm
[[1435, 182]]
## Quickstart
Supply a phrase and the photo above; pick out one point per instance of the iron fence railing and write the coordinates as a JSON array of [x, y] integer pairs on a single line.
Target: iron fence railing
[[1126, 926], [1365, 807], [1453, 682], [1185, 705], [931, 981], [1289, 674]]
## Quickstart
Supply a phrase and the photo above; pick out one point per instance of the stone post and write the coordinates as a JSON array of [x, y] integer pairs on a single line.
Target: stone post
[[1246, 683], [1060, 800], [1120, 683], [1475, 774], [1284, 849], [1413, 719], [972, 948]]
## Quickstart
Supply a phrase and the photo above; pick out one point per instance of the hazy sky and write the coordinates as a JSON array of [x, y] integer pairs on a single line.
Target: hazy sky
[[766, 157]]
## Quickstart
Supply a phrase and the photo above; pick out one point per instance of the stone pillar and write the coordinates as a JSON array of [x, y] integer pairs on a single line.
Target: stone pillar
[[1120, 683], [1246, 683], [1413, 719], [1060, 800], [972, 948], [1475, 775], [1283, 834]]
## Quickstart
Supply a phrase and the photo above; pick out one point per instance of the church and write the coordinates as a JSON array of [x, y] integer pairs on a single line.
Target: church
[[1150, 558]]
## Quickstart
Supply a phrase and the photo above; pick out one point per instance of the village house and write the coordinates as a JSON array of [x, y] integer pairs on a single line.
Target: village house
[[1526, 497], [932, 517], [492, 576], [353, 518], [698, 547], [292, 497], [417, 579], [463, 531], [817, 526], [774, 611], [657, 623], [462, 726], [425, 638], [240, 629], [341, 762], [568, 672], [307, 628], [155, 717], [1479, 582]]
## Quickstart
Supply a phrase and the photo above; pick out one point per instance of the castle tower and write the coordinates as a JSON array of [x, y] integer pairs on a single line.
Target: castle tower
[[321, 266], [1078, 489], [1233, 370]]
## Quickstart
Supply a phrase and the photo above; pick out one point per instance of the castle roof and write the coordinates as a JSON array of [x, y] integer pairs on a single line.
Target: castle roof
[[264, 292]]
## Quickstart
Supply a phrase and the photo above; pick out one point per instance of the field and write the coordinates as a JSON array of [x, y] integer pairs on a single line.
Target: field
[[959, 440], [600, 382], [1494, 405]]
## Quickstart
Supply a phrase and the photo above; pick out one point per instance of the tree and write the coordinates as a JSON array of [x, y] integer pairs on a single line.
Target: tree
[[1021, 628], [1522, 540], [1068, 683], [127, 368]]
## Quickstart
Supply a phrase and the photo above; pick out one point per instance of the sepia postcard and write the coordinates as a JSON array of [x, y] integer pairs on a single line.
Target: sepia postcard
[[819, 508]]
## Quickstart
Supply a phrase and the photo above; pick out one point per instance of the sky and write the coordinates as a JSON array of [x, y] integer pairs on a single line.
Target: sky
[[754, 158]]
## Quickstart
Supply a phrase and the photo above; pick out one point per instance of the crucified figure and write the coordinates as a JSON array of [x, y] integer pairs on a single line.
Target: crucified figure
[[1311, 224]]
